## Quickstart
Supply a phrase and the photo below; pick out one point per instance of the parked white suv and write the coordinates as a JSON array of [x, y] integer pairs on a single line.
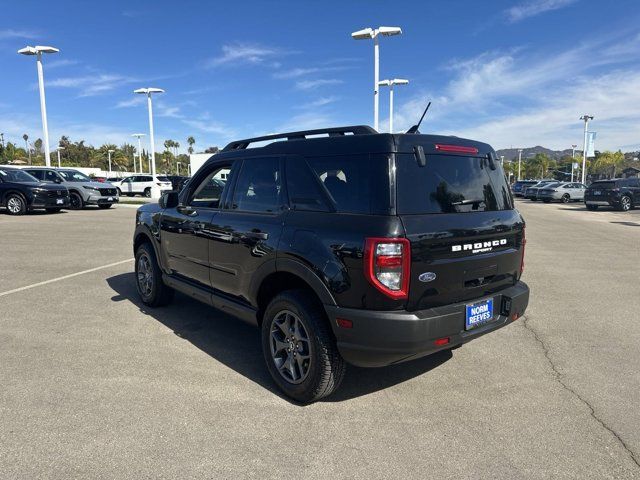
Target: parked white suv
[[142, 185]]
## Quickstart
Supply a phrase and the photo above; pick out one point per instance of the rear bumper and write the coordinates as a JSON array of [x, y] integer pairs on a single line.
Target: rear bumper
[[384, 338]]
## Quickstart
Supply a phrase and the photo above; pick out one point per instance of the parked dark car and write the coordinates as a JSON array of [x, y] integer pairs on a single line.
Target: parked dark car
[[520, 186], [620, 193], [21, 192], [350, 246], [177, 181], [531, 192]]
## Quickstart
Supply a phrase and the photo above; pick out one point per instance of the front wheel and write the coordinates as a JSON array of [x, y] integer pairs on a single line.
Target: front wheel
[[299, 349], [119, 192], [152, 290], [625, 204], [147, 192], [16, 204], [75, 201]]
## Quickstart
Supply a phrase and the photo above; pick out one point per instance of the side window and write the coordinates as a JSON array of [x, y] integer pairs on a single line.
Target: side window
[[209, 192], [144, 178], [39, 174], [258, 187], [51, 176], [305, 191]]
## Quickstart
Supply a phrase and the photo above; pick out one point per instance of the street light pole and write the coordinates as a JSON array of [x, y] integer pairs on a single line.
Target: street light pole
[[110, 152], [178, 168], [573, 157], [586, 119], [38, 50], [390, 84], [519, 162], [370, 33], [58, 149], [138, 135], [148, 92]]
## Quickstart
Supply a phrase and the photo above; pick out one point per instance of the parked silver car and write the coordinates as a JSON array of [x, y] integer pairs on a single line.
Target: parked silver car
[[562, 192], [82, 190], [531, 193]]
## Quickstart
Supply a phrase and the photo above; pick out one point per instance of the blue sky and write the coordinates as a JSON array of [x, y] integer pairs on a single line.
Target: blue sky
[[510, 72]]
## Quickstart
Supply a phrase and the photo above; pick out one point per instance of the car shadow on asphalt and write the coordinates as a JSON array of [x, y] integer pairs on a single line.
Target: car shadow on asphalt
[[237, 344]]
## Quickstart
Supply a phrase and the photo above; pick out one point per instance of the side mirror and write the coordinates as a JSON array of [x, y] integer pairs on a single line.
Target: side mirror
[[57, 180], [169, 200]]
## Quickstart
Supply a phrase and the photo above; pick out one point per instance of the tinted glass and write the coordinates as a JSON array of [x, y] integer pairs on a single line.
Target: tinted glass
[[51, 176], [355, 183], [163, 179], [209, 192], [603, 185], [39, 174], [144, 179], [17, 176], [74, 176], [304, 188], [450, 184], [258, 187]]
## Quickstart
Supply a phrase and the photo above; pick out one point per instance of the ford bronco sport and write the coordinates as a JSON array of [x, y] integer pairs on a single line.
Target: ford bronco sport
[[342, 245]]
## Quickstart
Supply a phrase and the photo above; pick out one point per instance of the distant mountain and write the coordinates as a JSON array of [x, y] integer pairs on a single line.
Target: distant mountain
[[512, 153]]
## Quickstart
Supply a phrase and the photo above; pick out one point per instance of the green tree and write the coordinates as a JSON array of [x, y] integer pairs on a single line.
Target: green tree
[[607, 163], [25, 137], [191, 141]]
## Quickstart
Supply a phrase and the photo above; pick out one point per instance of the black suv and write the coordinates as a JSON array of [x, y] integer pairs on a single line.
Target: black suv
[[621, 193], [21, 192], [342, 245]]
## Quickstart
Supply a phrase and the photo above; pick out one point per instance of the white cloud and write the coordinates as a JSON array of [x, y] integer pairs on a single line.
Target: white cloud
[[520, 98], [91, 85], [320, 82], [295, 73], [11, 33], [224, 132], [244, 53], [319, 102], [533, 8], [61, 63]]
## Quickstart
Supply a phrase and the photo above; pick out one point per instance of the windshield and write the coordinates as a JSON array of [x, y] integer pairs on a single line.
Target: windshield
[[17, 176], [450, 184], [74, 176]]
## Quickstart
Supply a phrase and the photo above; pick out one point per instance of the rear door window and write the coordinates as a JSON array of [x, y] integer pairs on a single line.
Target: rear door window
[[354, 183], [450, 184], [258, 187]]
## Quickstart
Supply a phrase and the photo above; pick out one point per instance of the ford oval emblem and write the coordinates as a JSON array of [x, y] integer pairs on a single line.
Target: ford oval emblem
[[427, 277]]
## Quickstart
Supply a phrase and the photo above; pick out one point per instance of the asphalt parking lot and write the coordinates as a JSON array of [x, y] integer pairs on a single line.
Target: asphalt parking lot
[[94, 385]]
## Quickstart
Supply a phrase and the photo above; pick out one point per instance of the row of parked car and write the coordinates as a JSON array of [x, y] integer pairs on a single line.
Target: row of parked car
[[620, 193]]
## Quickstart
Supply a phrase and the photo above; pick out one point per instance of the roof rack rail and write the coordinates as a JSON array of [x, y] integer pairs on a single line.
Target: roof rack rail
[[301, 135]]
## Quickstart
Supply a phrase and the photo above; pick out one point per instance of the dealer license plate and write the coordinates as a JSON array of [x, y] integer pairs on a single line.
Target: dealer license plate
[[479, 313]]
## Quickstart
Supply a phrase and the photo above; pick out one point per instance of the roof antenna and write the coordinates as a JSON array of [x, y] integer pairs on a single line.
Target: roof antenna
[[414, 129]]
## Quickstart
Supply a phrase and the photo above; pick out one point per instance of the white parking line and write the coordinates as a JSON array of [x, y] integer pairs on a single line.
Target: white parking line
[[46, 282]]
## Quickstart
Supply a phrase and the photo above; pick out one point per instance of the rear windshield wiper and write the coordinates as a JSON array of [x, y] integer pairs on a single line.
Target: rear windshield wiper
[[468, 202]]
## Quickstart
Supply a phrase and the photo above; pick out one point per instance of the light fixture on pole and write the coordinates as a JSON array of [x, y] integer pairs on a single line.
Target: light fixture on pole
[[138, 135], [573, 157], [586, 119], [110, 152], [502, 161], [371, 33], [38, 50], [148, 91], [519, 162], [390, 83], [58, 149]]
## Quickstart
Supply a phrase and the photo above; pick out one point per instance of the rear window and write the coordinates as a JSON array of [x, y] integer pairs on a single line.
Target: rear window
[[603, 185], [450, 184], [351, 183]]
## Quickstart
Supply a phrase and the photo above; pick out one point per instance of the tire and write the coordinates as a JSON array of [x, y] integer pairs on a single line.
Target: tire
[[592, 208], [119, 191], [625, 203], [15, 204], [322, 368], [547, 201], [147, 192], [565, 198], [131, 194], [152, 290], [104, 206], [53, 210], [75, 201]]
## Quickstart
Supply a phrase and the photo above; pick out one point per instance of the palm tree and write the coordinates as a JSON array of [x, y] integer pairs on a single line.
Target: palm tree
[[25, 137], [191, 141]]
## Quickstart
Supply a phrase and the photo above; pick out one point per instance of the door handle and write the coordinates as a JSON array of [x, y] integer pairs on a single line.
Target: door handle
[[257, 235], [187, 210]]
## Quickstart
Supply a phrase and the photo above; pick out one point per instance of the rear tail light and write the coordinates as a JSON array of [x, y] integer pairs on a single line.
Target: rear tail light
[[524, 243], [387, 265]]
